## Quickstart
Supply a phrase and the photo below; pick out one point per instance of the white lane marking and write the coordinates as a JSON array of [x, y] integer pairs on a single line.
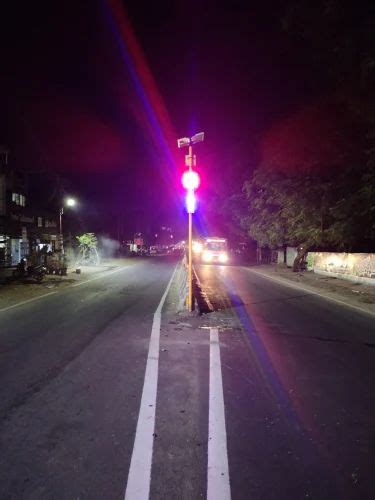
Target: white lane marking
[[52, 293], [139, 477], [26, 301], [100, 277], [313, 292], [218, 487]]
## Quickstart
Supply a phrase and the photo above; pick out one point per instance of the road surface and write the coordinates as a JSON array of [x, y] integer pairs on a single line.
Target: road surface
[[271, 396]]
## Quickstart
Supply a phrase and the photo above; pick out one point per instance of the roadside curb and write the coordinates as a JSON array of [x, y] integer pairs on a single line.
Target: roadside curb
[[313, 290], [203, 302]]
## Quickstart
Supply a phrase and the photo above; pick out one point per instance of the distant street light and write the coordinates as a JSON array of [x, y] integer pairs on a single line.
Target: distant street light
[[190, 181], [69, 202]]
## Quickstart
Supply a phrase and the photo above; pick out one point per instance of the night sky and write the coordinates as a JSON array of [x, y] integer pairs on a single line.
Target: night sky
[[99, 93]]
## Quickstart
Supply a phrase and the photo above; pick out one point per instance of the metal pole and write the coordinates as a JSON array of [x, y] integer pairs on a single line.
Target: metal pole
[[190, 268], [61, 233], [190, 261]]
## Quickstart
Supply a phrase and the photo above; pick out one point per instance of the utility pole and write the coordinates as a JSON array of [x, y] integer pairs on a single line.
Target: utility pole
[[190, 240], [61, 232], [190, 181], [70, 202]]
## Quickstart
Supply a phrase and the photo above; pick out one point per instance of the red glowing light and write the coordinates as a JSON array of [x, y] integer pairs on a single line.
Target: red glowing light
[[190, 180]]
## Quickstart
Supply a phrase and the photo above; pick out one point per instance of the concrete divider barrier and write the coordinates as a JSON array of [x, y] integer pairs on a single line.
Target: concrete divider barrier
[[182, 284], [201, 301]]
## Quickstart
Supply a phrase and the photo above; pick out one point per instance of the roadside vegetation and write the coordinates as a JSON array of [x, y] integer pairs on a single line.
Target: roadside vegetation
[[314, 184]]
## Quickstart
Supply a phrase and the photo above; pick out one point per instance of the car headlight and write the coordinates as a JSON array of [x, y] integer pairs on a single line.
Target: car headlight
[[207, 256], [223, 257], [197, 247]]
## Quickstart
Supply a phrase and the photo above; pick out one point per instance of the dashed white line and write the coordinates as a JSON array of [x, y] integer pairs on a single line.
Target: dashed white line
[[139, 477], [218, 486]]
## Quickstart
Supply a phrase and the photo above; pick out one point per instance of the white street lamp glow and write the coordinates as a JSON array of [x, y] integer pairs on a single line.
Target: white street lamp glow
[[70, 202]]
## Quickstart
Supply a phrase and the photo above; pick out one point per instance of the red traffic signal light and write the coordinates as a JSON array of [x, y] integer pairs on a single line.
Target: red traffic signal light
[[190, 180]]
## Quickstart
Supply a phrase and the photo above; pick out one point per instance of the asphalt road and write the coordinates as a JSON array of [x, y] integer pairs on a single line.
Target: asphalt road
[[269, 397], [71, 371], [298, 373]]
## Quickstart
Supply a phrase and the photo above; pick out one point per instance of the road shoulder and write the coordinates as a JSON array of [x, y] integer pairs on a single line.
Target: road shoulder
[[18, 293], [354, 295]]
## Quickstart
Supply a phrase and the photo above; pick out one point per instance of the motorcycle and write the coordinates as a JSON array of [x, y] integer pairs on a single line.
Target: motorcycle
[[34, 272], [37, 272]]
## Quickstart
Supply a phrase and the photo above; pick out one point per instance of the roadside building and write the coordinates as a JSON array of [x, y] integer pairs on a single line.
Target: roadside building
[[24, 227]]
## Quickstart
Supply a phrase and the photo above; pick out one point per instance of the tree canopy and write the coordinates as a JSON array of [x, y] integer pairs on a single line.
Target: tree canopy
[[312, 210], [315, 183], [88, 253]]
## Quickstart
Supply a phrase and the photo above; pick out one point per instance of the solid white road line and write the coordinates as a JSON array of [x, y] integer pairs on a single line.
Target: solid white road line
[[72, 286], [313, 292], [107, 273], [218, 487], [139, 477], [26, 301]]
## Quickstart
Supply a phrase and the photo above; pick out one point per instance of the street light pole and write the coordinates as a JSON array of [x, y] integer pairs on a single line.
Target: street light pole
[[190, 243], [191, 184], [61, 233], [70, 202]]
